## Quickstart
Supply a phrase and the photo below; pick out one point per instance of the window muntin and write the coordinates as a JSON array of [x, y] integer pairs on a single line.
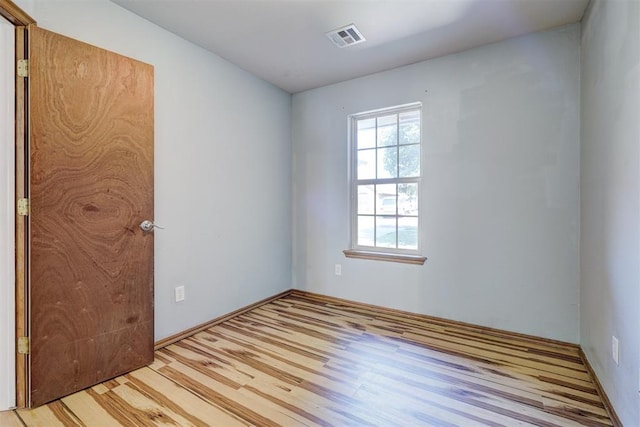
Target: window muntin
[[385, 176]]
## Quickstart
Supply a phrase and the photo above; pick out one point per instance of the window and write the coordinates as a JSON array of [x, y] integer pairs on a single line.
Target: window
[[385, 179]]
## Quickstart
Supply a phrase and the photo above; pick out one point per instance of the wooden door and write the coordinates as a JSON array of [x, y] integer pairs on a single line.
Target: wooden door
[[91, 185]]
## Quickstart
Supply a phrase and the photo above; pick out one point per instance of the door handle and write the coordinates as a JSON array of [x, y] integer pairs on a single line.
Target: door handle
[[147, 225]]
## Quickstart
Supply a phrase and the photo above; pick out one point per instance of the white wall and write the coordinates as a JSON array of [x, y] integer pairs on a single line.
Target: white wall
[[222, 165], [610, 199], [500, 189], [7, 205]]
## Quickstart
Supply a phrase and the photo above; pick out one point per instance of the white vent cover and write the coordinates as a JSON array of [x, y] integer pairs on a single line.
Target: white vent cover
[[346, 36]]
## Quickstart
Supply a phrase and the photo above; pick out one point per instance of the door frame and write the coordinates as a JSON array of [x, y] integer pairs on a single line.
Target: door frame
[[21, 20], [7, 219]]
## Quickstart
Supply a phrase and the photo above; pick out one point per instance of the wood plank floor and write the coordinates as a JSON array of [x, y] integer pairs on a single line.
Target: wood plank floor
[[305, 360]]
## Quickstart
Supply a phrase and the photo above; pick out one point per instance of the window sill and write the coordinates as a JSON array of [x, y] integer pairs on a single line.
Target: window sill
[[378, 256]]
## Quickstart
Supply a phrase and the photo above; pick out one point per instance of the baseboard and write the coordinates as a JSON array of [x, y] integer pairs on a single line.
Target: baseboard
[[605, 399], [201, 327], [426, 317]]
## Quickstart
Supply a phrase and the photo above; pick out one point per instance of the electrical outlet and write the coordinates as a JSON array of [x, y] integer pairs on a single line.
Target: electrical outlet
[[338, 269], [179, 293], [614, 349]]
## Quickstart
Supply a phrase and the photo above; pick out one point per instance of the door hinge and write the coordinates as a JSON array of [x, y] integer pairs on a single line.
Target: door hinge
[[23, 68], [23, 345], [23, 207]]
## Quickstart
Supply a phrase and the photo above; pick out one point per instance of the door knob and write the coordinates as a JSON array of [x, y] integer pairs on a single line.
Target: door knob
[[147, 225]]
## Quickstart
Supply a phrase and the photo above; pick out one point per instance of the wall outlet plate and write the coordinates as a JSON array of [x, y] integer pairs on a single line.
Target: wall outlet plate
[[338, 269], [179, 293]]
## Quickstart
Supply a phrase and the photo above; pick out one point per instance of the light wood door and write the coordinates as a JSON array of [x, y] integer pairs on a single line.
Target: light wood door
[[91, 185]]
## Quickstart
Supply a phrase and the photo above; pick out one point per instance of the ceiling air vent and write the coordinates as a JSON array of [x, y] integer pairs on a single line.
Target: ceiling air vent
[[346, 36]]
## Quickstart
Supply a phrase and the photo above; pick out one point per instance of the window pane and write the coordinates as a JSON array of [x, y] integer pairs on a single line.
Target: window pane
[[409, 160], [367, 164], [386, 231], [408, 233], [408, 199], [366, 196], [410, 127], [386, 171], [366, 133], [387, 130], [365, 230], [386, 199], [387, 162]]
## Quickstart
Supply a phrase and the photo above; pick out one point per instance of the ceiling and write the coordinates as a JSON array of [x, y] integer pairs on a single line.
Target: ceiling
[[284, 42]]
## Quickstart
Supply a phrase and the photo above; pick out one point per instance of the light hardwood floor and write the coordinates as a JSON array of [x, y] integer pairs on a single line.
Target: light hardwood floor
[[304, 360]]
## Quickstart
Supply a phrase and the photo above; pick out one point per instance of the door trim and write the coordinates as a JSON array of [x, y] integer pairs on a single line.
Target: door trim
[[20, 20], [14, 14], [7, 219]]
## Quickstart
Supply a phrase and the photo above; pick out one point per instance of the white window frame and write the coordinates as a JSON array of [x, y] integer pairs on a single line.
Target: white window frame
[[412, 256]]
